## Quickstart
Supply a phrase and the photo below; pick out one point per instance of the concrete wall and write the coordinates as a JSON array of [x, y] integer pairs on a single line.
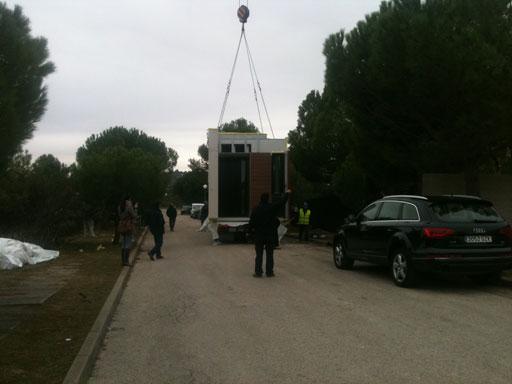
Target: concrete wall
[[496, 188], [258, 141]]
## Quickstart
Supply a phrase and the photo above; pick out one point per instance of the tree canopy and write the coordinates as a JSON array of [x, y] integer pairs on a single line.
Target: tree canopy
[[319, 143], [37, 200], [120, 162], [202, 151], [416, 87], [188, 186], [23, 67], [238, 125], [425, 78]]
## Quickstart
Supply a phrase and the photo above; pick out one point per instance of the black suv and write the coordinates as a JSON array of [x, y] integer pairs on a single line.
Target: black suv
[[459, 234]]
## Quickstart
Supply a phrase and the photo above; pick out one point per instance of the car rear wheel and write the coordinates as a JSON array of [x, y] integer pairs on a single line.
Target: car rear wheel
[[341, 259], [401, 269]]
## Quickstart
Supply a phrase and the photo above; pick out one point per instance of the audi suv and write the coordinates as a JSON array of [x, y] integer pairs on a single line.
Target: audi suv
[[452, 233]]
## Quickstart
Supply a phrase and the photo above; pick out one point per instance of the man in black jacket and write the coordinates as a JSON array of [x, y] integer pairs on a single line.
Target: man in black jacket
[[171, 214], [155, 222], [262, 221]]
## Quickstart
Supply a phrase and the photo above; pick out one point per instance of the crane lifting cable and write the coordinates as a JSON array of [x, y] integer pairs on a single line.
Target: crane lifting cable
[[243, 14]]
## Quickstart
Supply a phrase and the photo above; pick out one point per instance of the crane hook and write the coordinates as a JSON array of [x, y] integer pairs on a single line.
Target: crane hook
[[243, 14]]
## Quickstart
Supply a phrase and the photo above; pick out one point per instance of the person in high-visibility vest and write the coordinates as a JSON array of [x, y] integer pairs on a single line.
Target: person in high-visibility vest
[[303, 222]]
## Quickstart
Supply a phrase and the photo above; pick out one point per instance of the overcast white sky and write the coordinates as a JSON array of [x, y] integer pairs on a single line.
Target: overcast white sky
[[162, 65]]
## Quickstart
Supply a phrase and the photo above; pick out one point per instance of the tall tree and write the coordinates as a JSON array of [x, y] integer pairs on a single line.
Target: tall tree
[[428, 86], [320, 143], [201, 163], [202, 151], [37, 200], [122, 161], [23, 67], [188, 188]]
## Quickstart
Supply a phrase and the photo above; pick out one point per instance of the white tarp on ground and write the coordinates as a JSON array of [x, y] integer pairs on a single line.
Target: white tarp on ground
[[15, 254]]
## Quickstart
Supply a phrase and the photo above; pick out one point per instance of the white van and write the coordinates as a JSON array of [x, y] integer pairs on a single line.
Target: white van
[[195, 211]]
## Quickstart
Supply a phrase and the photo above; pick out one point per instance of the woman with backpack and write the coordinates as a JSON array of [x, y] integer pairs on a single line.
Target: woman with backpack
[[126, 228]]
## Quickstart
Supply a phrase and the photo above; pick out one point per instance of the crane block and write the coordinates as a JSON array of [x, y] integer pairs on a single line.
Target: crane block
[[243, 14]]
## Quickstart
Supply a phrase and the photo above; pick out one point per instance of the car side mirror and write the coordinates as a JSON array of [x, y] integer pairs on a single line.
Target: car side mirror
[[350, 219]]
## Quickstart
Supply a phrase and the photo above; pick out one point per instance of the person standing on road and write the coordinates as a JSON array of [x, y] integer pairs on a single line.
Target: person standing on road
[[125, 228], [277, 223], [204, 212], [171, 214], [155, 222], [304, 220], [263, 219]]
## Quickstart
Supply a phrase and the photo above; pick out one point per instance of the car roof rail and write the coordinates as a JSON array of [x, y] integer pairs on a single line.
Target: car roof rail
[[405, 197], [464, 196]]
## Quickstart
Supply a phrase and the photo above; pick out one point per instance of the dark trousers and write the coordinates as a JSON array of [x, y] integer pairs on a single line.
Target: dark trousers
[[157, 249], [303, 232], [172, 222], [267, 244]]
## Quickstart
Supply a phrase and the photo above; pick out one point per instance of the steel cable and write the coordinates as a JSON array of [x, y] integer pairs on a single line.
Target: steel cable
[[251, 70], [251, 60], [228, 88]]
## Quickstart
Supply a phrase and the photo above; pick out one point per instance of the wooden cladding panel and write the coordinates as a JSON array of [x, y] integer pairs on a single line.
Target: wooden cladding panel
[[261, 176]]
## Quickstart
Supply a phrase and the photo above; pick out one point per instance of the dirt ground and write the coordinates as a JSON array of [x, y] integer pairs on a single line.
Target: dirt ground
[[46, 310], [198, 316]]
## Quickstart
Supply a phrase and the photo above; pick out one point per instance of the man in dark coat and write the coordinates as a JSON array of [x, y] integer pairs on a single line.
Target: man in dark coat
[[155, 222], [171, 214], [262, 221]]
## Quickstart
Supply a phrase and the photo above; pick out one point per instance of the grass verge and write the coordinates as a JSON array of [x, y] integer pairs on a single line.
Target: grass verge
[[42, 348]]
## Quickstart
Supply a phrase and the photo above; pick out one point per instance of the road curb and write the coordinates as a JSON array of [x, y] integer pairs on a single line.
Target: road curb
[[83, 364]]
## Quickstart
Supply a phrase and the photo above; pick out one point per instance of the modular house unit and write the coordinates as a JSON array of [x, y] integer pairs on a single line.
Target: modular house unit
[[242, 166]]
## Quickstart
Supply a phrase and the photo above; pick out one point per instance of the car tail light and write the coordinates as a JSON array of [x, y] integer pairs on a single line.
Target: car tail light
[[437, 233], [506, 231]]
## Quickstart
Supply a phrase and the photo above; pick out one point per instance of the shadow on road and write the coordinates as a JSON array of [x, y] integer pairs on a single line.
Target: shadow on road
[[436, 282]]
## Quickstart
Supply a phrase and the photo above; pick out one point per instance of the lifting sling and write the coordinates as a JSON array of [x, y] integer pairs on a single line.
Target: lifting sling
[[243, 15]]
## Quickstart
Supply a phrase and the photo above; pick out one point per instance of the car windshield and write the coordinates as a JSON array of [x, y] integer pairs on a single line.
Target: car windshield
[[465, 212]]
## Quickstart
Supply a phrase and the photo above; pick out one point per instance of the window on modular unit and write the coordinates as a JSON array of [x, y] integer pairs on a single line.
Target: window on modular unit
[[225, 148], [234, 186], [278, 178], [239, 148], [249, 148]]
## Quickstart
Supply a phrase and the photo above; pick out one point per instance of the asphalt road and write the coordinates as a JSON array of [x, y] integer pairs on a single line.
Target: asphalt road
[[199, 316]]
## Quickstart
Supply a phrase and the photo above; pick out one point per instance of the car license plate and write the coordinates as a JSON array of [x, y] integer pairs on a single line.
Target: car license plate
[[477, 239]]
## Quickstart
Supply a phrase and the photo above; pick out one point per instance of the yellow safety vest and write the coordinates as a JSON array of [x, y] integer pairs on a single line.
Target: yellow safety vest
[[304, 218]]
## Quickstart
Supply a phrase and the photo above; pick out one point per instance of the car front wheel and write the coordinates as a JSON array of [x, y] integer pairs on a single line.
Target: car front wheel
[[401, 269], [341, 259]]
